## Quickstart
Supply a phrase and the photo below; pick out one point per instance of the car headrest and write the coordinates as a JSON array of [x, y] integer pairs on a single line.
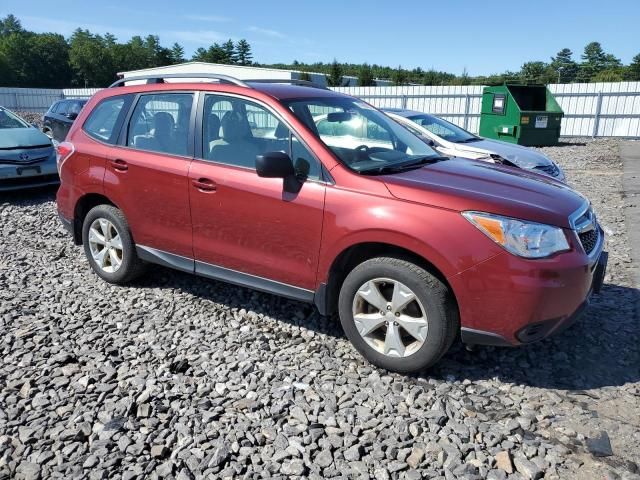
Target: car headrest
[[163, 123], [234, 127]]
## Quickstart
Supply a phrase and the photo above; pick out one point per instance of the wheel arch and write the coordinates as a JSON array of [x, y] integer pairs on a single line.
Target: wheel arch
[[83, 206], [354, 255]]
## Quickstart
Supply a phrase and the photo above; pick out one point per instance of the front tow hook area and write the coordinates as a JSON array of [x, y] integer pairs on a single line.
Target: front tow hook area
[[601, 270]]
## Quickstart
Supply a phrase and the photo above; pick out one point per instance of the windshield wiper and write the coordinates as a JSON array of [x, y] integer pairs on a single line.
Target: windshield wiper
[[404, 166], [469, 140]]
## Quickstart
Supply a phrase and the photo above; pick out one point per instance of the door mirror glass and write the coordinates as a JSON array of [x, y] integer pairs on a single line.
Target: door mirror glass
[[274, 165]]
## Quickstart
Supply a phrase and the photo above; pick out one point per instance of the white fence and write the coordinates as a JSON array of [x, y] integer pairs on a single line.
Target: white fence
[[590, 109], [38, 100]]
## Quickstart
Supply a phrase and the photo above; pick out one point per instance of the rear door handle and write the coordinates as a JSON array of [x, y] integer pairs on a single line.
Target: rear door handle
[[204, 184], [119, 165]]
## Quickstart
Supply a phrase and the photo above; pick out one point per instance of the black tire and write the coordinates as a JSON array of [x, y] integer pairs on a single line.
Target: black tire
[[439, 306], [131, 266]]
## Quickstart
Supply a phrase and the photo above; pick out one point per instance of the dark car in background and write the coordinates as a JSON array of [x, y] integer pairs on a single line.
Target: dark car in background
[[27, 156], [60, 116]]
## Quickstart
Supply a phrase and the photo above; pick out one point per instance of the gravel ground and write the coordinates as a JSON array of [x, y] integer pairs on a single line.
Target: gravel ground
[[181, 377]]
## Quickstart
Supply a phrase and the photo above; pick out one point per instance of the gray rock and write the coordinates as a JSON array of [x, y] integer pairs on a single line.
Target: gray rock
[[600, 445], [28, 471], [527, 468], [293, 467]]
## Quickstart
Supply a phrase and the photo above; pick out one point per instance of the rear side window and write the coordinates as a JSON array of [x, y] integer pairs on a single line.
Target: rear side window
[[62, 108], [103, 120], [160, 123]]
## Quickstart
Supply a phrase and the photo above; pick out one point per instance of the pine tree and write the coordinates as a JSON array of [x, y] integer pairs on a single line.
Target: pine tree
[[229, 52], [334, 79], [632, 72], [177, 53], [399, 76], [365, 76], [243, 53], [10, 24], [564, 66]]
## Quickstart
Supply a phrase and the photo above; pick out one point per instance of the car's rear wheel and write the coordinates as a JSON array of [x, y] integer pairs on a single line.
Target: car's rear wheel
[[109, 246], [397, 314]]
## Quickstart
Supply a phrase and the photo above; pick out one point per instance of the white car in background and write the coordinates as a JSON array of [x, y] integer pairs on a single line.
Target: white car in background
[[451, 140]]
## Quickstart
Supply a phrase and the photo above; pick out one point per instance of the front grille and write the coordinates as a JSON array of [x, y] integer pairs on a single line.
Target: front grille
[[589, 240], [550, 169]]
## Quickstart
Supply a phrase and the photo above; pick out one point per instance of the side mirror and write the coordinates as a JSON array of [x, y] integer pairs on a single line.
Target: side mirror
[[71, 115], [274, 165]]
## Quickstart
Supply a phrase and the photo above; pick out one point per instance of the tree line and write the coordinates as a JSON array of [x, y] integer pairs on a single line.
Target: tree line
[[86, 59], [595, 65]]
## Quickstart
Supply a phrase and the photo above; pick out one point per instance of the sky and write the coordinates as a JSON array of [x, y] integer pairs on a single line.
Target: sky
[[482, 37]]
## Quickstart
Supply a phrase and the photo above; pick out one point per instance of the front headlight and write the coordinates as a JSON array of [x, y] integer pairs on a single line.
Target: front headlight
[[522, 238]]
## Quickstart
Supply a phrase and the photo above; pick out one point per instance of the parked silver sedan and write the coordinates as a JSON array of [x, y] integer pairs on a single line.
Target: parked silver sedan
[[27, 156], [451, 140]]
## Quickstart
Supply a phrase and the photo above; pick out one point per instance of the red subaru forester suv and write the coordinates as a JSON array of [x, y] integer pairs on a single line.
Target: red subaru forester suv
[[317, 196]]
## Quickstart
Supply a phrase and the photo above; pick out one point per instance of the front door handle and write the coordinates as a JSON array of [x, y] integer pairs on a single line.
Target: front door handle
[[119, 165], [204, 184]]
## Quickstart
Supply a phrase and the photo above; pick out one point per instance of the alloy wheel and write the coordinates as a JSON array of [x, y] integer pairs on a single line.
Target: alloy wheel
[[105, 245], [389, 317]]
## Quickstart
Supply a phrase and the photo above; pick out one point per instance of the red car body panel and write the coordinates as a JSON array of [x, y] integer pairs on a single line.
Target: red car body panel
[[250, 225], [153, 194]]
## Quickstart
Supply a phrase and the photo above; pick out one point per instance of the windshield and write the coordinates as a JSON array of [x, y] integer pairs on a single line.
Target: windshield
[[11, 120], [363, 138], [446, 130]]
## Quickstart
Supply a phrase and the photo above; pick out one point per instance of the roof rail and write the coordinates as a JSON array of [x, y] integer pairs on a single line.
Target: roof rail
[[293, 81], [159, 78]]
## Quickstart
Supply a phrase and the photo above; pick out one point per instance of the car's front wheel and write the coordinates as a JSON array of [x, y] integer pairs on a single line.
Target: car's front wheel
[[108, 245], [398, 315]]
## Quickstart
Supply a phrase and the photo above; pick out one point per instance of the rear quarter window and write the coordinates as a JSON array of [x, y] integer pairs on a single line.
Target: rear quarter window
[[105, 120]]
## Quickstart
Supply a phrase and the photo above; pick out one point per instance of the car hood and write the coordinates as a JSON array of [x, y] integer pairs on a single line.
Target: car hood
[[463, 185], [523, 157], [22, 137]]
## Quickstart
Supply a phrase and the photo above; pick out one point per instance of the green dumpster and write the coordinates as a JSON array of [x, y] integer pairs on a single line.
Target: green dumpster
[[522, 114]]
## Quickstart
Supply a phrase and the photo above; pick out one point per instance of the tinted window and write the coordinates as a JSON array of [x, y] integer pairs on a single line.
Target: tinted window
[[11, 120], [62, 108], [234, 131], [443, 129], [75, 107], [103, 119], [53, 108], [160, 123]]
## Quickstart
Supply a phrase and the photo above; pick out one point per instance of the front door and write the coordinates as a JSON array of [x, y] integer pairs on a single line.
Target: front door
[[147, 175], [244, 225]]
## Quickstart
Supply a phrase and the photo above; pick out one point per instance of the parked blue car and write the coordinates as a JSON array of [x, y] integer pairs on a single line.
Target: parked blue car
[[27, 156]]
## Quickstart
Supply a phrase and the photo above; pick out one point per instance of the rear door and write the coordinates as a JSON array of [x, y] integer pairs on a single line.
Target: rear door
[[247, 229], [147, 172], [58, 121]]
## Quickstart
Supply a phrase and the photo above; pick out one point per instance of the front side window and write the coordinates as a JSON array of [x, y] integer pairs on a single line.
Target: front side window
[[363, 138], [11, 120], [443, 129], [235, 131], [160, 123], [103, 119]]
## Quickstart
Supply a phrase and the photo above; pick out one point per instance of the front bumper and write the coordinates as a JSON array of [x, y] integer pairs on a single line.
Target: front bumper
[[18, 177], [509, 301]]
